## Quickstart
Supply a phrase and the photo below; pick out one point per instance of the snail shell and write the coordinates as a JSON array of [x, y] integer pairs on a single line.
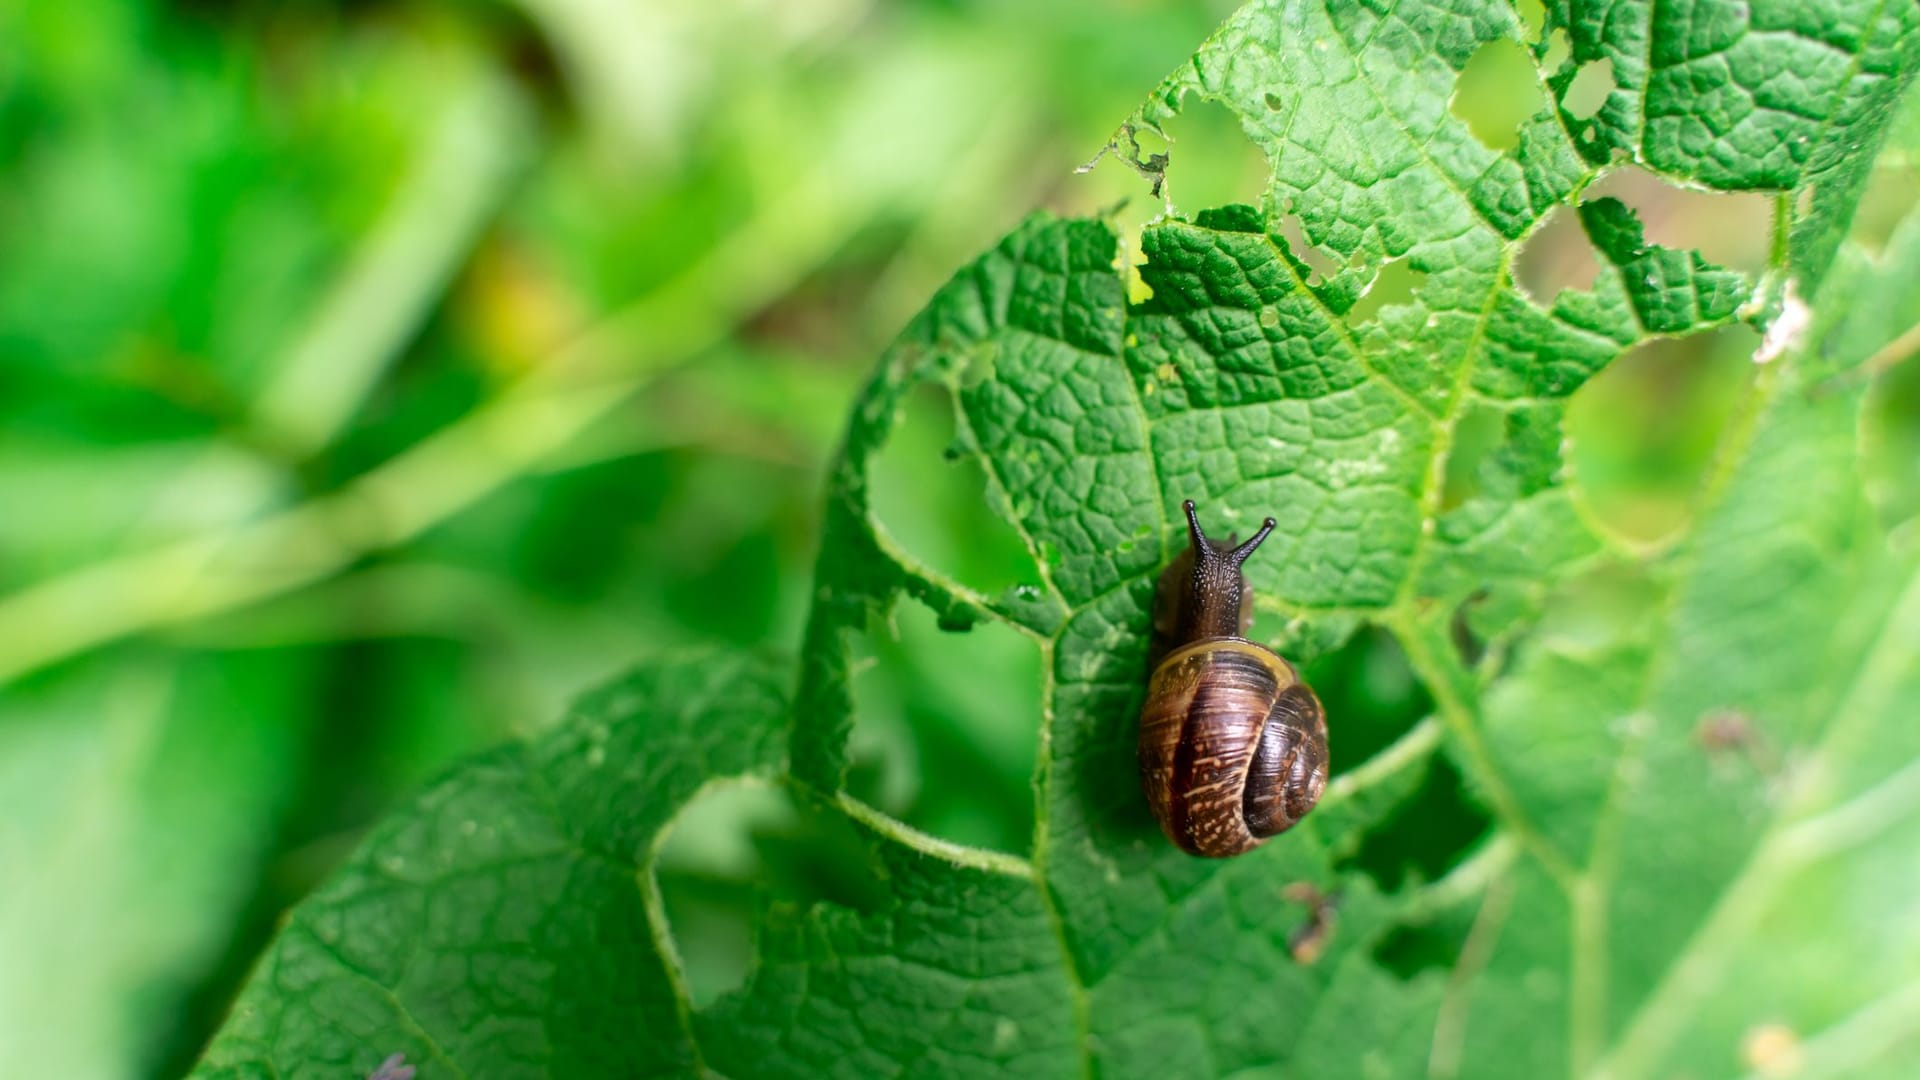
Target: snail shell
[[1233, 746]]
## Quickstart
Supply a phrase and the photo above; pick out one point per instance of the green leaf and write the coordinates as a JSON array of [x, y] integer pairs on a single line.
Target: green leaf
[[506, 923], [1666, 742]]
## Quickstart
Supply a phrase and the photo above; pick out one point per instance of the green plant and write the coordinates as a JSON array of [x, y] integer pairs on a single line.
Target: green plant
[[1666, 740]]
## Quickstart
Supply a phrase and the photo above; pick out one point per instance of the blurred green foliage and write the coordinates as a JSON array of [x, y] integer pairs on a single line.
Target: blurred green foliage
[[376, 376]]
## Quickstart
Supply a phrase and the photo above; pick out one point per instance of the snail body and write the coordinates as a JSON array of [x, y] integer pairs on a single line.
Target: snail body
[[1233, 745]]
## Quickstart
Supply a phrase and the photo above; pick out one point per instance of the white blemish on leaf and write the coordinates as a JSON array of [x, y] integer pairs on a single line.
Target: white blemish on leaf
[[1345, 472], [1788, 328], [395, 1067]]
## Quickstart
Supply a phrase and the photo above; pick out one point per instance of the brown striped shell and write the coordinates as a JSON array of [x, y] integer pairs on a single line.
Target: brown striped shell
[[1233, 746]]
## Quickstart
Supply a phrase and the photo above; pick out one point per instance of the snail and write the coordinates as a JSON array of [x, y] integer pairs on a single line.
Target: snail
[[1233, 746]]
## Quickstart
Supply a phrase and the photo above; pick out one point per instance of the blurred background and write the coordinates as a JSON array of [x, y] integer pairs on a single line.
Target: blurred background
[[377, 376]]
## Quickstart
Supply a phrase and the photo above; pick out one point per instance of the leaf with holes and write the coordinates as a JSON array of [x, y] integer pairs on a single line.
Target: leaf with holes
[[1664, 740]]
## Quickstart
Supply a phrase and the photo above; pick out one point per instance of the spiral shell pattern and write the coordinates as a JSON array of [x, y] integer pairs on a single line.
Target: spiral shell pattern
[[1233, 746]]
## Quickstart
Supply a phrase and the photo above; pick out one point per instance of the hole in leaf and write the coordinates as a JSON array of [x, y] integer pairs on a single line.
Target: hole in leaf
[[1558, 256], [818, 856], [1213, 163], [930, 494], [1558, 49], [1533, 19], [706, 873], [1394, 284], [1496, 93], [1642, 431], [1320, 265], [1372, 690], [1410, 949], [884, 765], [1589, 89], [711, 923], [947, 729], [1803, 201], [1426, 835], [1732, 229], [1480, 431], [735, 846]]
